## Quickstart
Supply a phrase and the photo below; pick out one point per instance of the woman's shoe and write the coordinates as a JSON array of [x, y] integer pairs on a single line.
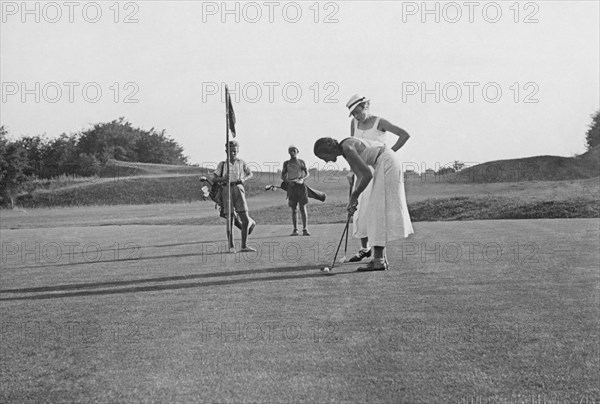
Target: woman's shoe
[[380, 265], [360, 255]]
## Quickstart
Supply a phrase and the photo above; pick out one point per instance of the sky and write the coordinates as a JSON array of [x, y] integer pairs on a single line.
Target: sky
[[469, 81]]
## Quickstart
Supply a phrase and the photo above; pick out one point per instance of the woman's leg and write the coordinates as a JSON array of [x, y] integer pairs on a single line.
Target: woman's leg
[[379, 253]]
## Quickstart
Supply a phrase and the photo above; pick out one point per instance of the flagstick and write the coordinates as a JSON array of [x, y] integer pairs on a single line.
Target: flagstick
[[229, 229]]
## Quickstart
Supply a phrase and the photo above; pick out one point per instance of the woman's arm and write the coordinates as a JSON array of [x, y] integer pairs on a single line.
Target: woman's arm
[[403, 136], [362, 171], [350, 176]]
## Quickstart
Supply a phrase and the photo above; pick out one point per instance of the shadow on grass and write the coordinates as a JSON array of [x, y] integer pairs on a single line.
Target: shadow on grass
[[78, 292], [132, 249]]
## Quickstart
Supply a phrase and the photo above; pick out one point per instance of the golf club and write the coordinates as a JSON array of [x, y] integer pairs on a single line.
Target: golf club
[[344, 258], [327, 269]]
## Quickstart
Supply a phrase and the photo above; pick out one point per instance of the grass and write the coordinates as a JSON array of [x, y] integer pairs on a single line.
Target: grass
[[118, 169], [160, 315], [133, 183], [444, 209], [494, 208], [127, 191], [428, 201]]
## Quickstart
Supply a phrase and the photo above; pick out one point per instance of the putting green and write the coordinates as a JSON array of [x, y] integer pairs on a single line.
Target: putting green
[[471, 310]]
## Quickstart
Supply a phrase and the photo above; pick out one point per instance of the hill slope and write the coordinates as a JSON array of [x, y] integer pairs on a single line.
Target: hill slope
[[116, 169], [537, 168]]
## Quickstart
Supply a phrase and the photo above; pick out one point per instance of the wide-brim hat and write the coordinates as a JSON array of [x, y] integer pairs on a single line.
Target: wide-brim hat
[[355, 101]]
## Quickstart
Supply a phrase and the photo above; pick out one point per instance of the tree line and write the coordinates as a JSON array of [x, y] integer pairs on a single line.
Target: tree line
[[81, 154]]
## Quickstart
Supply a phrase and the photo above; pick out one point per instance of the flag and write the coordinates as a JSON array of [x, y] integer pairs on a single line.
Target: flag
[[230, 112]]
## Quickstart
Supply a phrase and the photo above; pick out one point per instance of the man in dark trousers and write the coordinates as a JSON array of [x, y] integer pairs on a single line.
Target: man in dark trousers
[[293, 174]]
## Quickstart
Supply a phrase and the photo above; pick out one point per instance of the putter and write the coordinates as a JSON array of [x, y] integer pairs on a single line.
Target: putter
[[344, 258], [340, 243]]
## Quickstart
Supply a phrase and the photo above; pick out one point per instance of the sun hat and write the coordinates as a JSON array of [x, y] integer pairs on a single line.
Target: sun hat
[[355, 101], [293, 147]]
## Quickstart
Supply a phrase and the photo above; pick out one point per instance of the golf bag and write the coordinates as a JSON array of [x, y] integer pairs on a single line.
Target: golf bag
[[216, 192], [311, 192]]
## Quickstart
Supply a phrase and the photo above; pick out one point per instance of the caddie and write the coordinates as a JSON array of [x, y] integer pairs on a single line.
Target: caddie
[[293, 174], [239, 173]]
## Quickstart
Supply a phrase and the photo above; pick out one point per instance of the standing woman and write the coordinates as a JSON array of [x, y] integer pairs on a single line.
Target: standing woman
[[373, 130], [387, 217]]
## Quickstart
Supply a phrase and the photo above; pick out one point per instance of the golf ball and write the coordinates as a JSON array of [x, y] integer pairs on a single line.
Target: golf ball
[[326, 269]]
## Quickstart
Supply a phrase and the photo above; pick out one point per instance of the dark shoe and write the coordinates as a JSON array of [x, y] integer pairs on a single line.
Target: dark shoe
[[295, 233], [251, 228], [360, 255], [305, 232], [372, 266]]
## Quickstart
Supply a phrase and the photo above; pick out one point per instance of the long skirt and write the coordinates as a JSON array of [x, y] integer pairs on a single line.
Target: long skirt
[[359, 220], [385, 214]]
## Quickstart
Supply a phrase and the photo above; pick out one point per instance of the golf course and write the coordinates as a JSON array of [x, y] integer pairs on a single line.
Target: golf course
[[131, 130], [145, 303]]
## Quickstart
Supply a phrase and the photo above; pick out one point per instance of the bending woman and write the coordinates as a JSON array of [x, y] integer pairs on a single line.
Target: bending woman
[[387, 218]]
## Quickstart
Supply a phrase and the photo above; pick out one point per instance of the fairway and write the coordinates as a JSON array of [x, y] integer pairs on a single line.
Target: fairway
[[488, 310]]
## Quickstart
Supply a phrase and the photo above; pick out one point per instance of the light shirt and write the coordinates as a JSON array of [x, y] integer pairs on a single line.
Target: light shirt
[[373, 136], [238, 170]]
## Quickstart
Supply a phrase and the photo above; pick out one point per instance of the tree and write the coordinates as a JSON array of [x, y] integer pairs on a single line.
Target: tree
[[35, 147], [116, 138], [13, 167], [156, 147], [592, 136], [458, 165], [445, 170], [60, 157], [121, 141]]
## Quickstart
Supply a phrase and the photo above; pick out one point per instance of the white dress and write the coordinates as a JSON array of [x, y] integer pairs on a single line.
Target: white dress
[[374, 137], [387, 217]]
